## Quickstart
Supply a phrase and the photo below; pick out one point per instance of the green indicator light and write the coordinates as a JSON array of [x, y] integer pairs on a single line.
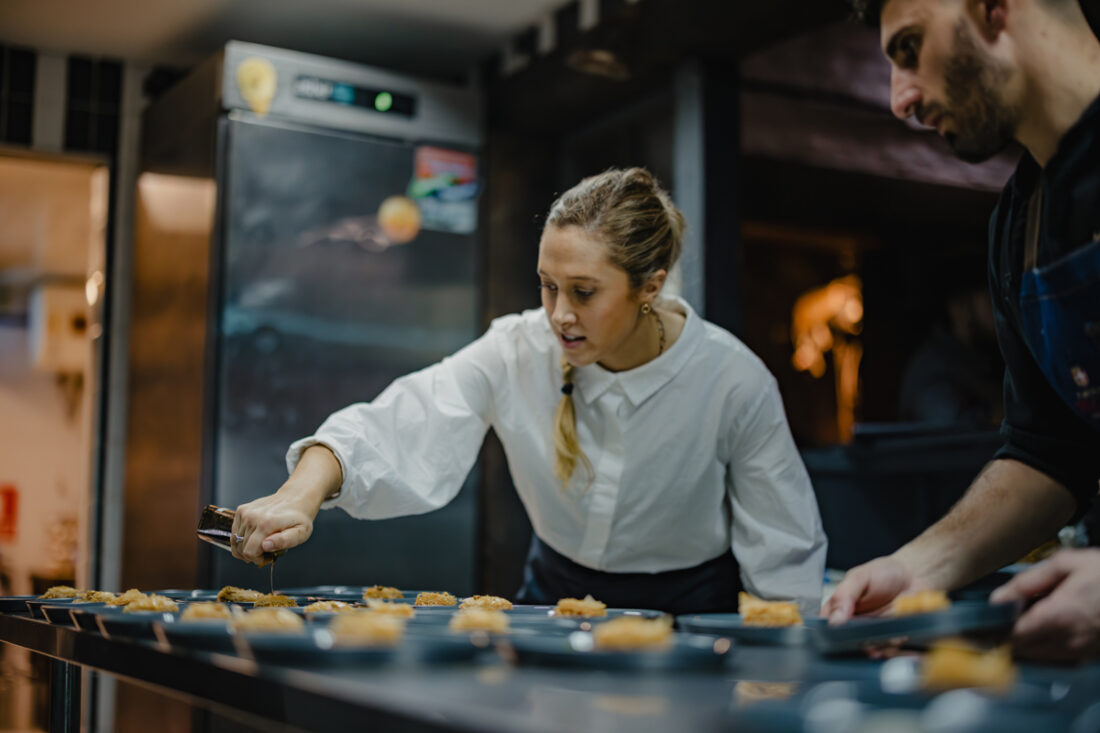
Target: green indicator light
[[383, 101]]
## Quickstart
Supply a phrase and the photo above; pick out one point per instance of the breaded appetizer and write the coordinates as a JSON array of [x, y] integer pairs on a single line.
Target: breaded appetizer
[[151, 603], [479, 619], [233, 594], [328, 607], [60, 591], [429, 598], [367, 627], [587, 607], [952, 664], [382, 591], [495, 603], [126, 598], [268, 619], [401, 610], [757, 612], [275, 599], [921, 601], [206, 611], [630, 633]]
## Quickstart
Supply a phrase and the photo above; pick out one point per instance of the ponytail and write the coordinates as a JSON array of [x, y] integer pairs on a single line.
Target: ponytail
[[567, 448]]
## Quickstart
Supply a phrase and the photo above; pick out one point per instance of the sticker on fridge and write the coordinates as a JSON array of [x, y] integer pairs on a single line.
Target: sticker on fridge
[[445, 188]]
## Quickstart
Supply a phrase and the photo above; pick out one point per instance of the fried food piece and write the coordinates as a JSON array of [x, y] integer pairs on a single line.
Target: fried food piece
[[587, 607], [747, 691], [233, 594], [382, 591], [328, 607], [268, 619], [492, 602], [629, 633], [757, 612], [60, 591], [151, 603], [126, 598], [275, 599], [401, 610], [479, 619], [921, 601], [206, 611], [367, 627], [95, 596], [952, 664], [429, 598]]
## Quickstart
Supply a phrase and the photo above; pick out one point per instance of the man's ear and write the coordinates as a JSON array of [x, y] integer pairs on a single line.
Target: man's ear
[[989, 17]]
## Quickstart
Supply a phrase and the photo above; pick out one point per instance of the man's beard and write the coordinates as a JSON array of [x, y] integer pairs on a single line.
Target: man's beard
[[983, 124]]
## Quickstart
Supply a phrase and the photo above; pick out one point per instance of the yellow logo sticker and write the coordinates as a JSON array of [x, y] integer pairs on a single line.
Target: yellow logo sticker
[[256, 80]]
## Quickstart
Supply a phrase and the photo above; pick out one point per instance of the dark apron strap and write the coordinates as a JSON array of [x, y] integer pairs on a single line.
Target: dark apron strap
[[709, 587]]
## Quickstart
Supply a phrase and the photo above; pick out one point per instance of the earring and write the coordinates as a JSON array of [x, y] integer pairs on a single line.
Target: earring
[[646, 309]]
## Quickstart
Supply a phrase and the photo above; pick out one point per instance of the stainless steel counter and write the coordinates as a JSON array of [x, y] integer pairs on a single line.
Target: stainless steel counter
[[491, 695]]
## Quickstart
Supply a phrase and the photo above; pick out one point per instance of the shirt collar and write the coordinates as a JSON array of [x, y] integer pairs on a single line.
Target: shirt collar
[[1077, 139], [641, 382]]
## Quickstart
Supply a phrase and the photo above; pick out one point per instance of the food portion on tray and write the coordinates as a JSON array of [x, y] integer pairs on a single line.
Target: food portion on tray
[[757, 622]]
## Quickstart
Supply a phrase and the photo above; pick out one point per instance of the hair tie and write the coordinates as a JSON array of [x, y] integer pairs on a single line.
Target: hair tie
[[567, 388]]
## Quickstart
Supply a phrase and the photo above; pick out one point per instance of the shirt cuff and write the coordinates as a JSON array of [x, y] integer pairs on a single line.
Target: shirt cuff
[[294, 455]]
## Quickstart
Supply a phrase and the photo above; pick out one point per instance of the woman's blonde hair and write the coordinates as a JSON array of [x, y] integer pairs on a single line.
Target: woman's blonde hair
[[629, 212]]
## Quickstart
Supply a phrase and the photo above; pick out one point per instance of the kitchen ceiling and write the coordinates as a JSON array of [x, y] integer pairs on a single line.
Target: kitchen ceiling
[[442, 38]]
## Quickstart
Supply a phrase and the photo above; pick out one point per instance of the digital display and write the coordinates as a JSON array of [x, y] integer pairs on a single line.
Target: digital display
[[385, 101]]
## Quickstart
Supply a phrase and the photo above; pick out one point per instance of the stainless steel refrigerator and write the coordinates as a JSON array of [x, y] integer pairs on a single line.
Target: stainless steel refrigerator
[[343, 254]]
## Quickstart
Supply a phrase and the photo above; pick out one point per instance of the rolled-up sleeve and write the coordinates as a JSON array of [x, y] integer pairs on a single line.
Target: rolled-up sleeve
[[409, 450], [777, 536]]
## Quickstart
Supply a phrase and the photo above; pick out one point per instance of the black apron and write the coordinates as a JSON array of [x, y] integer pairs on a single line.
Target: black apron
[[1060, 307], [709, 587]]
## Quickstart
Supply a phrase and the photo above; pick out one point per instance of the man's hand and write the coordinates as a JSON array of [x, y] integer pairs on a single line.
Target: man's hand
[[1065, 625], [870, 588]]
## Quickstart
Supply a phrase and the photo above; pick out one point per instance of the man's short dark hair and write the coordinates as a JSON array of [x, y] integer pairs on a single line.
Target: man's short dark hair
[[868, 11]]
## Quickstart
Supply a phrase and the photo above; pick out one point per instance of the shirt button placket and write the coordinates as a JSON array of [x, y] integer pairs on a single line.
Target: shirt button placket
[[605, 487]]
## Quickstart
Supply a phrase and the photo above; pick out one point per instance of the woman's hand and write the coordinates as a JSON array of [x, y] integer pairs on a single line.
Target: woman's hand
[[285, 519], [269, 524]]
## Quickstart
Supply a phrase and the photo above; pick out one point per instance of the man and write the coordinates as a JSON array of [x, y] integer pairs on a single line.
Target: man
[[985, 72]]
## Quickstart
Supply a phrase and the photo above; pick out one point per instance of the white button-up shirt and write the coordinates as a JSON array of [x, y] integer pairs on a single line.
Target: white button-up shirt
[[691, 451]]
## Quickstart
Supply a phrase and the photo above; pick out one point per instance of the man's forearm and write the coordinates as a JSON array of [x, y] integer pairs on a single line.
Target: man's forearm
[[1009, 510]]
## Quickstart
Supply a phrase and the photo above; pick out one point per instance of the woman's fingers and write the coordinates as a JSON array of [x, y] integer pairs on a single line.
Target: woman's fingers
[[285, 539]]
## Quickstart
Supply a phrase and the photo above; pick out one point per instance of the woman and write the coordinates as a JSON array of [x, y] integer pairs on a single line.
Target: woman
[[644, 442]]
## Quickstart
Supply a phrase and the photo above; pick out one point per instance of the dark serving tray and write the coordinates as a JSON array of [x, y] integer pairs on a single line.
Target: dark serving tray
[[575, 650], [15, 604], [317, 647], [730, 624], [116, 623], [213, 635], [964, 617]]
